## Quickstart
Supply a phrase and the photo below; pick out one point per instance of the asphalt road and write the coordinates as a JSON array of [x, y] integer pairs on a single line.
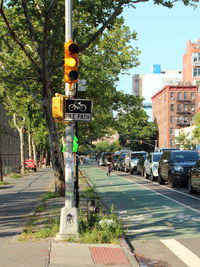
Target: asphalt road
[[163, 224], [18, 199]]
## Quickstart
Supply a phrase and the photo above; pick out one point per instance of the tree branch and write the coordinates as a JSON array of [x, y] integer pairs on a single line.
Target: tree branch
[[14, 37], [109, 21], [28, 21]]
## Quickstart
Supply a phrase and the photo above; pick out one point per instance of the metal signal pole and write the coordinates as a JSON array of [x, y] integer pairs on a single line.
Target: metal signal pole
[[69, 213]]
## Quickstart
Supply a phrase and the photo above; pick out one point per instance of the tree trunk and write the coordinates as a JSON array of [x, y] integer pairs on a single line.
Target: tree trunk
[[30, 148], [34, 153], [22, 154], [55, 151]]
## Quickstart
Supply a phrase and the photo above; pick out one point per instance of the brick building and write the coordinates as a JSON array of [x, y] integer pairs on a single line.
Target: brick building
[[191, 63], [173, 107]]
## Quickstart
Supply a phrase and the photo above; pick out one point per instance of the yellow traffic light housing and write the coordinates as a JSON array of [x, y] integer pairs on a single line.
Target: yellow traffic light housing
[[58, 106], [71, 62]]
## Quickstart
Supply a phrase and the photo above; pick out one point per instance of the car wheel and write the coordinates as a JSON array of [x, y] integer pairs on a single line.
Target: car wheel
[[152, 178], [142, 172], [171, 180], [191, 189], [145, 174], [160, 179]]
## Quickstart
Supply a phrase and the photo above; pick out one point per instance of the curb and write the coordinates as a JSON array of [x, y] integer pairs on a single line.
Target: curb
[[129, 251]]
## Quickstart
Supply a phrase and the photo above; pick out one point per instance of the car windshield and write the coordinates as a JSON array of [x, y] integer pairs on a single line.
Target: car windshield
[[156, 157], [185, 156], [137, 155]]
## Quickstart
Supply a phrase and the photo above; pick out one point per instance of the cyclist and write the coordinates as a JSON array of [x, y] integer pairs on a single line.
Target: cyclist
[[109, 164]]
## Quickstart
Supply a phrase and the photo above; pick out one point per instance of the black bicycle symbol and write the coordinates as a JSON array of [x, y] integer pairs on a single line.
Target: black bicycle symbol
[[77, 106]]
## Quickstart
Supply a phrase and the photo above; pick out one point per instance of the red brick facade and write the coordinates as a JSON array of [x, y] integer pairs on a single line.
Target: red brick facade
[[173, 107]]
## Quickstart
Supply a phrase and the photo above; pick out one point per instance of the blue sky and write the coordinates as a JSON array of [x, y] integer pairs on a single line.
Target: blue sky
[[162, 35]]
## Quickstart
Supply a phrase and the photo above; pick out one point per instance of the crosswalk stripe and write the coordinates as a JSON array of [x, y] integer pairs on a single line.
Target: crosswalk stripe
[[187, 256]]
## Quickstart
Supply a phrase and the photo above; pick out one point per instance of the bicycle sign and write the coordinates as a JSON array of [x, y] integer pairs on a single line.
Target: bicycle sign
[[78, 110]]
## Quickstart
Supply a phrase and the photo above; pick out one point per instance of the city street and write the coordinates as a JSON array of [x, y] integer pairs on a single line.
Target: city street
[[161, 223]]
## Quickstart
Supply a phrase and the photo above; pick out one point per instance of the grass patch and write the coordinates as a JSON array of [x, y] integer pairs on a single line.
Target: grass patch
[[4, 183], [44, 223], [47, 228], [14, 175]]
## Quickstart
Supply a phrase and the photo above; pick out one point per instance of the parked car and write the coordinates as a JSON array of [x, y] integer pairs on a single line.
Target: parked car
[[151, 165], [194, 178], [174, 166], [140, 165], [103, 156], [131, 160], [114, 160], [120, 161]]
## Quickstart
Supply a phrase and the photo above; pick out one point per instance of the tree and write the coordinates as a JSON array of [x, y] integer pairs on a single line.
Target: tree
[[184, 141], [37, 28]]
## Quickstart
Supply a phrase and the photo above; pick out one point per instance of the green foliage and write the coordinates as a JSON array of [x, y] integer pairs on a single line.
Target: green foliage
[[133, 125], [104, 146], [100, 228], [184, 141], [196, 131]]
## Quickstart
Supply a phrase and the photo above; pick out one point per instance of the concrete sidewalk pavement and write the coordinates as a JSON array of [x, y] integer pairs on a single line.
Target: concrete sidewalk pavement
[[49, 253]]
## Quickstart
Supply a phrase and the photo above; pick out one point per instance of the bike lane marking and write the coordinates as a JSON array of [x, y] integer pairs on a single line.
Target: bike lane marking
[[148, 215], [187, 256]]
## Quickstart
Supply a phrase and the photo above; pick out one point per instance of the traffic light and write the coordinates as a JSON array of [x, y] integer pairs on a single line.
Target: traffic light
[[71, 50], [58, 106]]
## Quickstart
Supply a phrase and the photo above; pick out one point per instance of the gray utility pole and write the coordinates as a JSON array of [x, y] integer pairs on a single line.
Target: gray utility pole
[[69, 213]]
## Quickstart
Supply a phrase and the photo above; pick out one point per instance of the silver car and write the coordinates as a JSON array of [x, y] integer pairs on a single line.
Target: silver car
[[131, 160]]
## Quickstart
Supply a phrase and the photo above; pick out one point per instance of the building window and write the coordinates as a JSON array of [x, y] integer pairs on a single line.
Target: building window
[[185, 107], [179, 119], [193, 107], [193, 94], [171, 95], [172, 142], [171, 131], [171, 119], [196, 57], [196, 72], [185, 96], [179, 107], [179, 95], [172, 107]]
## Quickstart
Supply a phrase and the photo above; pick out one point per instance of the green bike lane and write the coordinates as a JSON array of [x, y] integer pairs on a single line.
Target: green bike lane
[[146, 214]]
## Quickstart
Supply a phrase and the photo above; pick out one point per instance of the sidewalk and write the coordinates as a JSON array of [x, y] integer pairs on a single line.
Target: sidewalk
[[52, 253]]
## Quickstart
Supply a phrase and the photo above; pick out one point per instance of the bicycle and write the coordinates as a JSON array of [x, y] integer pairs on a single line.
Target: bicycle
[[109, 168], [77, 106]]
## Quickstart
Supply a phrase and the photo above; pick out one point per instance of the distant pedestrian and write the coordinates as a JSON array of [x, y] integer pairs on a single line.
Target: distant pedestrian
[[109, 164]]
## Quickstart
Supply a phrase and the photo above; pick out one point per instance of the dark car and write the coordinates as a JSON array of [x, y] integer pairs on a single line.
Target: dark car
[[174, 166], [194, 178], [140, 165]]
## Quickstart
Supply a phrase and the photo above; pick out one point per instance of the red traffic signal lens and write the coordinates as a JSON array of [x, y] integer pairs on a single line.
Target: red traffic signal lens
[[73, 75], [73, 48]]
